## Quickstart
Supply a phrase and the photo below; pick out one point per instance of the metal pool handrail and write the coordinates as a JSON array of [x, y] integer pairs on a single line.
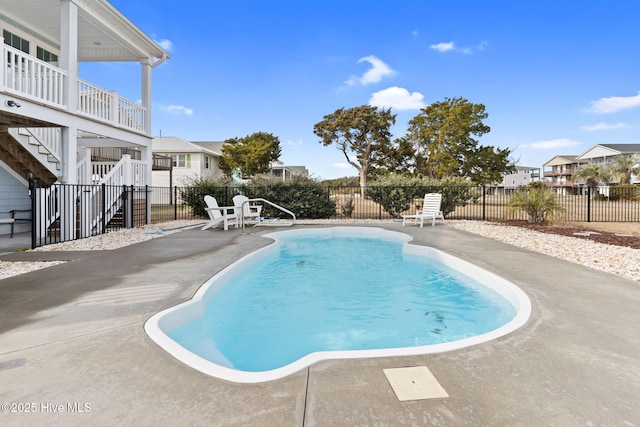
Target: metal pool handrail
[[268, 224]]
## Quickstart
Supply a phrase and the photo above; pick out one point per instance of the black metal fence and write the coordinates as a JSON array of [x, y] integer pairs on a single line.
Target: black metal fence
[[63, 212], [67, 212]]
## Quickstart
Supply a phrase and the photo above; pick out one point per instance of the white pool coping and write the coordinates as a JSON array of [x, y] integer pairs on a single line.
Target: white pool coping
[[167, 320]]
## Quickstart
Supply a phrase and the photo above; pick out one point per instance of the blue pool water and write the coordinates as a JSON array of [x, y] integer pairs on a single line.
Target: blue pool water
[[322, 293]]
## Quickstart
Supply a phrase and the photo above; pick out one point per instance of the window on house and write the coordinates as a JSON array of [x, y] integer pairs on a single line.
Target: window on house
[[46, 56], [179, 160], [207, 162], [15, 41]]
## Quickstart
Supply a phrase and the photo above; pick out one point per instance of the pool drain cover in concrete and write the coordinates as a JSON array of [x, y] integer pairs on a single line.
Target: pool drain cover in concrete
[[414, 383]]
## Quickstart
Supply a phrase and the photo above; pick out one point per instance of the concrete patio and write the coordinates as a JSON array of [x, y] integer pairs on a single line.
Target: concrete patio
[[73, 350]]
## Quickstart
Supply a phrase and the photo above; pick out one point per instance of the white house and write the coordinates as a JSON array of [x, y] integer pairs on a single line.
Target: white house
[[520, 177], [201, 159], [189, 160], [603, 154], [285, 173], [56, 127]]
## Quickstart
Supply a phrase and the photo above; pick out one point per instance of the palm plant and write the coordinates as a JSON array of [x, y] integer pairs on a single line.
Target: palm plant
[[592, 174], [539, 204], [622, 167]]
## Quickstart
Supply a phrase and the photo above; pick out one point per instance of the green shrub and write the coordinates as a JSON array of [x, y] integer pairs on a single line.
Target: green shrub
[[193, 191], [539, 204], [457, 192], [397, 193], [303, 196]]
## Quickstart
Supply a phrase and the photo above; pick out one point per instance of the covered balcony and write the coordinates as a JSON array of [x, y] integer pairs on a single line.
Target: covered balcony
[[31, 79]]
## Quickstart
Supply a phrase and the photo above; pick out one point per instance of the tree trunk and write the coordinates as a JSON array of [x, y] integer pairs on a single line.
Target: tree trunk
[[363, 181]]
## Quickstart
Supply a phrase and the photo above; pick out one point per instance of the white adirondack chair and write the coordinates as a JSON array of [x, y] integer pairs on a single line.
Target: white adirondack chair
[[430, 210], [245, 211], [224, 215]]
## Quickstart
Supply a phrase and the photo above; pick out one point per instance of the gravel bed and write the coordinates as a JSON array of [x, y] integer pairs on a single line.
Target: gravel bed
[[10, 269], [621, 261], [121, 238], [618, 260]]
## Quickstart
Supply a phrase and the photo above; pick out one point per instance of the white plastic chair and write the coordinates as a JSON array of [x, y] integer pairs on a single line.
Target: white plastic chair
[[430, 210], [219, 214], [246, 211]]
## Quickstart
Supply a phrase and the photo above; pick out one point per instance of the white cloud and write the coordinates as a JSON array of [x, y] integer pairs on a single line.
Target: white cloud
[[165, 44], [443, 47], [377, 71], [605, 126], [614, 104], [178, 109], [552, 144], [398, 98], [451, 46], [297, 143]]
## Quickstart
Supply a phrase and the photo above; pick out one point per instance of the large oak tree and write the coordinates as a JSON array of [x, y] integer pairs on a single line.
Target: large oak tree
[[445, 135], [358, 132]]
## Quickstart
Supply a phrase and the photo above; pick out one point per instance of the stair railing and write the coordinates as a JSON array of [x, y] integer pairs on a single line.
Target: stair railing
[[49, 139]]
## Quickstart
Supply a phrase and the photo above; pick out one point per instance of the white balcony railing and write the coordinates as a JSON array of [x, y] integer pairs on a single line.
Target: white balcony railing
[[33, 79], [131, 115], [95, 102], [107, 106]]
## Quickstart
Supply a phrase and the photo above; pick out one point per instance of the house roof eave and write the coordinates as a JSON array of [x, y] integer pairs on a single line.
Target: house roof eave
[[104, 34], [109, 20]]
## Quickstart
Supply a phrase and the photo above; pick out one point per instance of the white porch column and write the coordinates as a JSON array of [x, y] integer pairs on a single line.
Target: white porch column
[[146, 94], [147, 152], [69, 52], [68, 61], [69, 139], [146, 156], [85, 174], [67, 200]]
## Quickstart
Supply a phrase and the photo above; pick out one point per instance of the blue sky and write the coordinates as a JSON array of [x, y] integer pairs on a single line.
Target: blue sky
[[556, 77]]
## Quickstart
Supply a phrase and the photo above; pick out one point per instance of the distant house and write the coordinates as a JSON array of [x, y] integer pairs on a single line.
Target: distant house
[[521, 177], [57, 128], [603, 154], [284, 172], [202, 159], [278, 169], [558, 172], [189, 160]]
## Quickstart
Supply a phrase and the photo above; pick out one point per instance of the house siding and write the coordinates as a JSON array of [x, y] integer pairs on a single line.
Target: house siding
[[14, 195]]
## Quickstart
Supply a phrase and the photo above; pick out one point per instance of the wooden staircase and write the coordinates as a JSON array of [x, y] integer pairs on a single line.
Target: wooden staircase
[[23, 162]]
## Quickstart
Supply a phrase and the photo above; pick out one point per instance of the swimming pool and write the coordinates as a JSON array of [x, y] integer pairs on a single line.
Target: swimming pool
[[403, 307]]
